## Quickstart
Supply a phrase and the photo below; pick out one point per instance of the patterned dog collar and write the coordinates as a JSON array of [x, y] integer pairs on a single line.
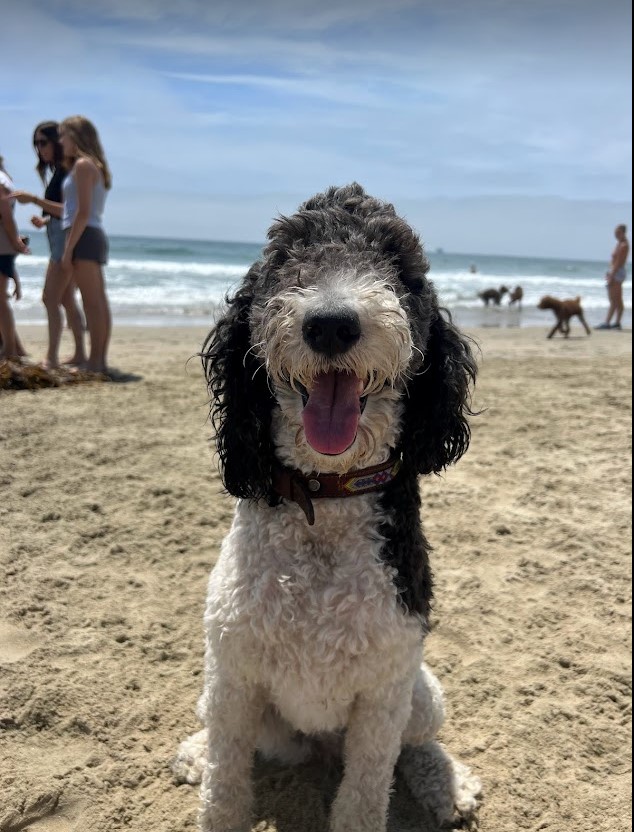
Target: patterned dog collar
[[302, 489]]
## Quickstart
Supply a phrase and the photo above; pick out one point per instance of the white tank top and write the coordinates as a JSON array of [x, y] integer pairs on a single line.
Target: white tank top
[[97, 203]]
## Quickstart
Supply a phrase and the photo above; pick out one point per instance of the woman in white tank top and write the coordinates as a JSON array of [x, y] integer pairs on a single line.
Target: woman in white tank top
[[86, 247]]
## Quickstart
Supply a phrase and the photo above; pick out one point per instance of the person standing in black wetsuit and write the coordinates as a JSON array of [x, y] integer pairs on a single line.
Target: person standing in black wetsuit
[[58, 291]]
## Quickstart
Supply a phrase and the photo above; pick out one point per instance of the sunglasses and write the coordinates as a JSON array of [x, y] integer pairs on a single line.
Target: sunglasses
[[41, 142]]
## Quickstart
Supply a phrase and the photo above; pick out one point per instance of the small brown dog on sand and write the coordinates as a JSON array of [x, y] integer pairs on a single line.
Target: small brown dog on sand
[[494, 295], [564, 310], [516, 296]]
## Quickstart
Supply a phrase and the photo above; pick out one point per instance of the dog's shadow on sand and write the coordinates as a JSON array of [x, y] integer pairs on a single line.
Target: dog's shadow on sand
[[298, 799]]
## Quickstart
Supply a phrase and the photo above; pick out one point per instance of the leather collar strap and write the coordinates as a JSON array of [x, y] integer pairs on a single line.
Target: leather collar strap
[[301, 489]]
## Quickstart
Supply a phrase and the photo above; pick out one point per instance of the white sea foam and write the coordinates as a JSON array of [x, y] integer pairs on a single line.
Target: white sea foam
[[182, 281], [173, 268]]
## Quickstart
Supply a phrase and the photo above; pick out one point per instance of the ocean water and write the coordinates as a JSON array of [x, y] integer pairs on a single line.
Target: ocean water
[[159, 282]]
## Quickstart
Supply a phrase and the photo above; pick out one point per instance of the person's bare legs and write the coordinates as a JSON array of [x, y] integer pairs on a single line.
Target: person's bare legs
[[611, 307], [89, 279], [75, 321], [20, 346], [55, 285], [615, 297], [11, 348], [615, 293]]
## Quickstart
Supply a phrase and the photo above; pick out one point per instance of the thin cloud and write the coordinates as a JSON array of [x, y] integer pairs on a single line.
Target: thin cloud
[[292, 15], [415, 98], [351, 94]]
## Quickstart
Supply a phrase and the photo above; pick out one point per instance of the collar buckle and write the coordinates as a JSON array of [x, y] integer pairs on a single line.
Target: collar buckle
[[293, 485]]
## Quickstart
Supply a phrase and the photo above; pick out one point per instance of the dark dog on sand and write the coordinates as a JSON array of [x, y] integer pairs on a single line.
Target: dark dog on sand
[[564, 310]]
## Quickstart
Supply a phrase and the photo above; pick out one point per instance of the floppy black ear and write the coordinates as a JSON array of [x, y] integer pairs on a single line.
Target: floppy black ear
[[436, 431], [241, 403]]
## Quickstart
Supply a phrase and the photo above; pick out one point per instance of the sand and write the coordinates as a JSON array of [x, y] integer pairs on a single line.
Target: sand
[[111, 515]]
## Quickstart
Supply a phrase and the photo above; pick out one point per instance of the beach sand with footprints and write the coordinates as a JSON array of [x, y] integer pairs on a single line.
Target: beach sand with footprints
[[112, 513]]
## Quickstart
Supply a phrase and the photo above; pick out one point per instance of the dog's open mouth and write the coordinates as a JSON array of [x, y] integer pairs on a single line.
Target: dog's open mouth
[[332, 410]]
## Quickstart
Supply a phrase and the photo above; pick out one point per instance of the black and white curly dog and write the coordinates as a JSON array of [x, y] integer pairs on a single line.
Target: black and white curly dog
[[335, 382]]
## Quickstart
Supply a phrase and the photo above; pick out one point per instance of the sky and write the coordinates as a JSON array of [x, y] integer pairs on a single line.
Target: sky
[[493, 126]]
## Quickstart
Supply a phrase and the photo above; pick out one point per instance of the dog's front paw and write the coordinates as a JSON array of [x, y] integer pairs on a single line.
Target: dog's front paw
[[189, 762], [360, 817], [446, 788], [206, 827], [466, 789], [213, 823], [226, 802]]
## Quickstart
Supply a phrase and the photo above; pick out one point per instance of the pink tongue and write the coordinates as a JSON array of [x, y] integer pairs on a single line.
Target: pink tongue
[[332, 413]]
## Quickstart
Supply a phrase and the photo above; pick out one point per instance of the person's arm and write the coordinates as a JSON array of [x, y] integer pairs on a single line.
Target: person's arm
[[55, 209], [8, 221], [84, 172]]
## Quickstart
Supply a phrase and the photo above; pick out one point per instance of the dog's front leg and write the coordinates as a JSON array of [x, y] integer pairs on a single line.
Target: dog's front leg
[[372, 745], [554, 329], [585, 324], [233, 717]]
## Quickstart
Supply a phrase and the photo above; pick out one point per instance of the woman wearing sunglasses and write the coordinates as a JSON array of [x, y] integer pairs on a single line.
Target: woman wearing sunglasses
[[58, 290]]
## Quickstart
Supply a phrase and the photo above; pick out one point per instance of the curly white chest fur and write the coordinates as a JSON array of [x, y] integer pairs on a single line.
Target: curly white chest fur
[[309, 613]]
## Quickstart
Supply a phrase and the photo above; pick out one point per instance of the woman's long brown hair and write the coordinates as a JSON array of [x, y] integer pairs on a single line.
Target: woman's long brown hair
[[84, 134], [50, 129]]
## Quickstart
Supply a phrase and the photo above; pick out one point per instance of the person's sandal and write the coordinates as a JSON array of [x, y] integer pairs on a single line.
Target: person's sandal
[[603, 326], [616, 326]]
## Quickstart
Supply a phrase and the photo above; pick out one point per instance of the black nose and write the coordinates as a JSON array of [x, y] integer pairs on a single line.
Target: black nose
[[331, 332]]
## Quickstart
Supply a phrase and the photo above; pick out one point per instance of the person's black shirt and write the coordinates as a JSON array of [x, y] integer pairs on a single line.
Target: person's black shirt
[[53, 190]]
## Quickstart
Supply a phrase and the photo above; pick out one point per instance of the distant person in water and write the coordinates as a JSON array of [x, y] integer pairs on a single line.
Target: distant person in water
[[615, 277], [58, 290], [473, 269]]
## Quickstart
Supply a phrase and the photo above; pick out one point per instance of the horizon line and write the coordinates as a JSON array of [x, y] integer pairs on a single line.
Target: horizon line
[[429, 251]]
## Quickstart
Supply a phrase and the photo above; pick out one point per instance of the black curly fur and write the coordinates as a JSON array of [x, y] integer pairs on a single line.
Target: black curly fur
[[435, 429], [406, 548], [241, 402], [338, 226], [435, 433]]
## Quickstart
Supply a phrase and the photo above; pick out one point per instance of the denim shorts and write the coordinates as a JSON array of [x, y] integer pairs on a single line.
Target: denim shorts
[[56, 239]]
